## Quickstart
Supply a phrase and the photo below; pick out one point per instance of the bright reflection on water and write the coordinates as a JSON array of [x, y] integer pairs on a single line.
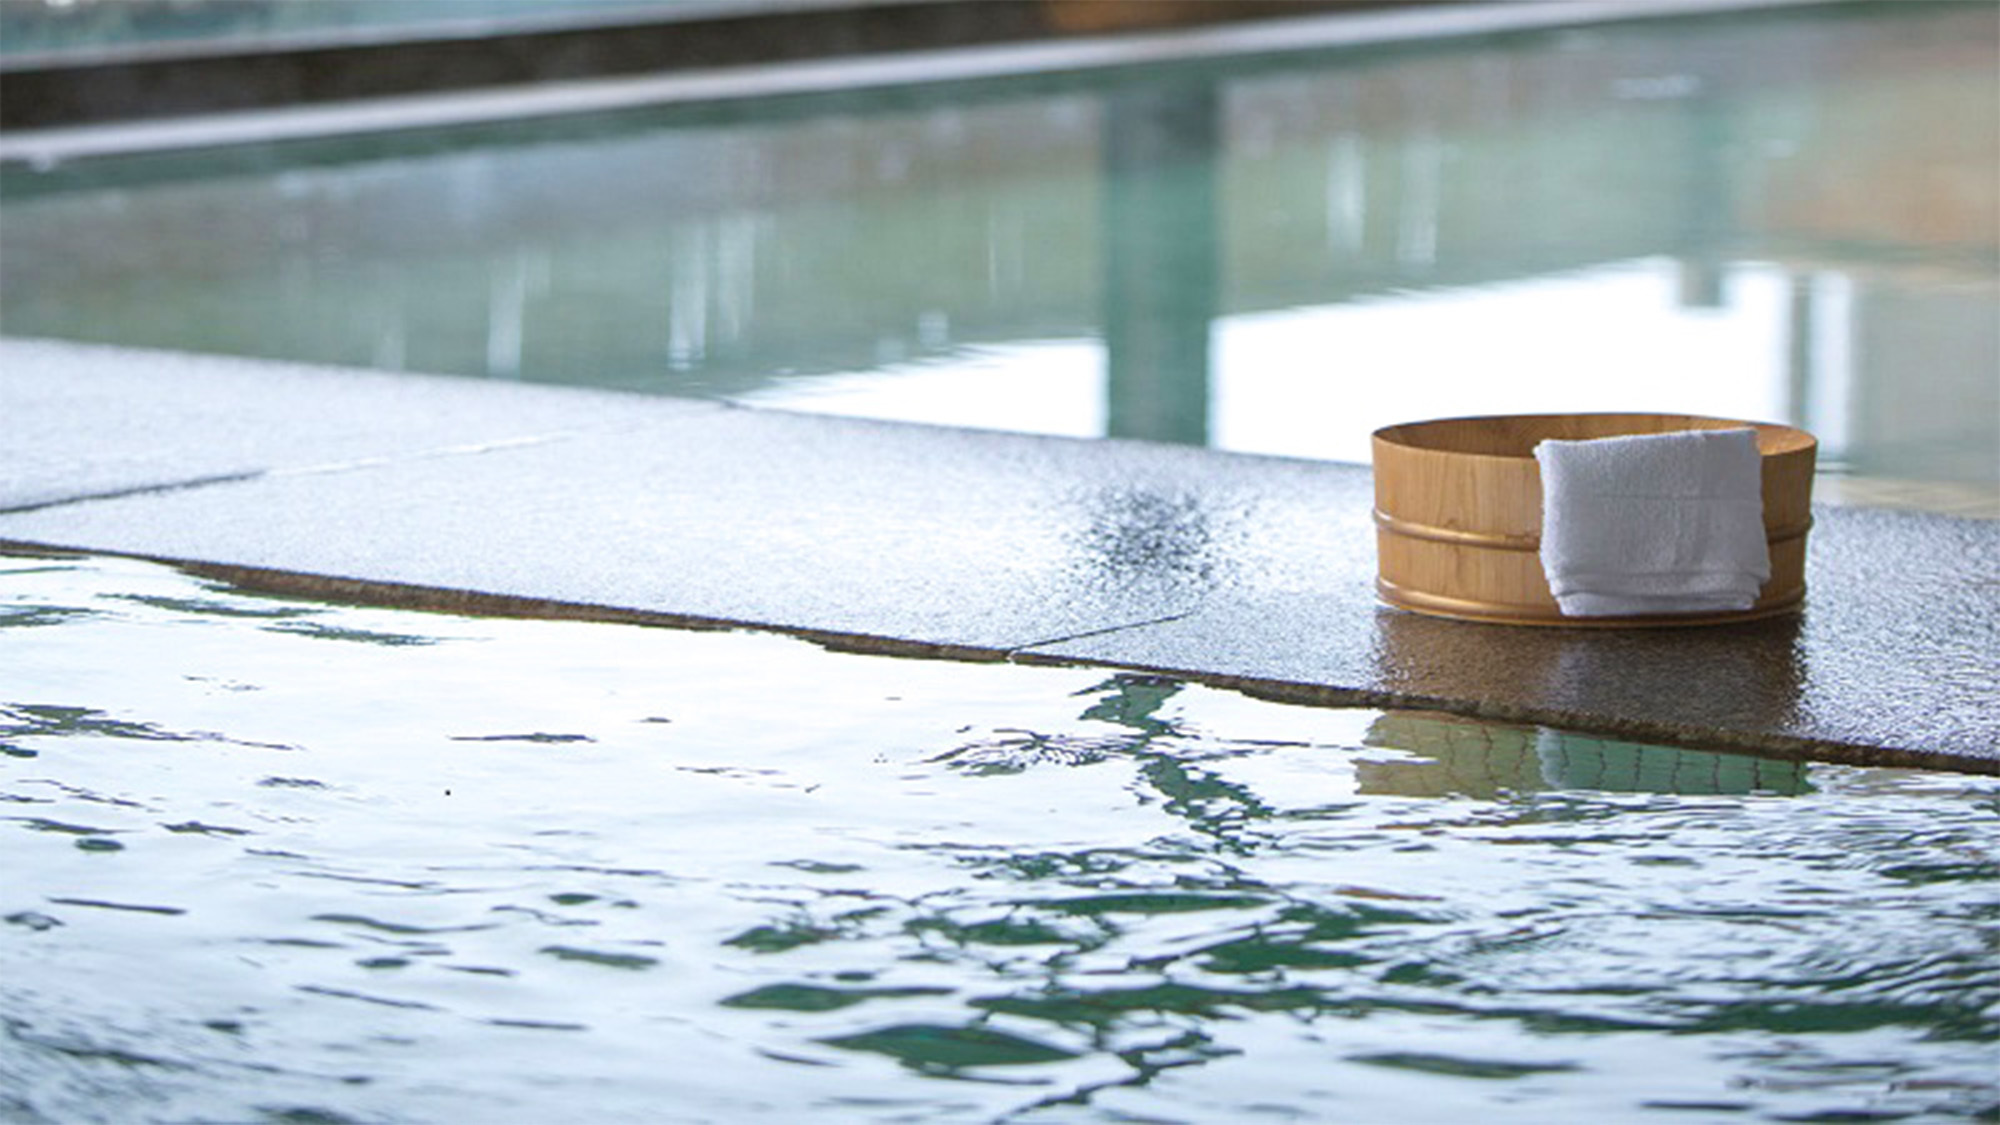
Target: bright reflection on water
[[1791, 215], [276, 860]]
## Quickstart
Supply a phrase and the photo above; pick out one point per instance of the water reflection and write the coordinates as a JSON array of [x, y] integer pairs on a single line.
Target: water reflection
[[1788, 216], [525, 866], [1160, 254], [1472, 759]]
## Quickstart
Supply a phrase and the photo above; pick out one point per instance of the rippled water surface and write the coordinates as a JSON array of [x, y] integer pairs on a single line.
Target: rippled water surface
[[267, 859]]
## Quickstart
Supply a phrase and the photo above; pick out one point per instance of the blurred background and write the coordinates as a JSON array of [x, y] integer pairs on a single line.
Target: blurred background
[[1239, 229]]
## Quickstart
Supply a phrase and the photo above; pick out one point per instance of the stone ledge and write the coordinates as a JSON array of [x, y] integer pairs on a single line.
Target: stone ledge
[[1251, 572]]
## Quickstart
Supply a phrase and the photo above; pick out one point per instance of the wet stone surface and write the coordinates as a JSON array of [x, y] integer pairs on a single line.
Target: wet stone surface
[[1891, 661], [1243, 569], [92, 421]]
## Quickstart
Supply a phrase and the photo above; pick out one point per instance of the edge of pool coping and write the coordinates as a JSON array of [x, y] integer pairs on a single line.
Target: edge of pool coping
[[1407, 21], [382, 594], [815, 76]]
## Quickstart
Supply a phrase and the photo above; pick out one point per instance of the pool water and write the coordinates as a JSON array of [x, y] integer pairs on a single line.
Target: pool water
[[271, 859], [83, 29], [1785, 215]]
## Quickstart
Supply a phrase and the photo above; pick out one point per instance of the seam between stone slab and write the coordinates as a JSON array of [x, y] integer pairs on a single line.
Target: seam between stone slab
[[136, 490], [466, 449], [442, 452], [1016, 651]]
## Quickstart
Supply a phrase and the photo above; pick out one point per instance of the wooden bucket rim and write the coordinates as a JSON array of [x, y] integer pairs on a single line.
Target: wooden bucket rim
[[1774, 439], [1791, 600]]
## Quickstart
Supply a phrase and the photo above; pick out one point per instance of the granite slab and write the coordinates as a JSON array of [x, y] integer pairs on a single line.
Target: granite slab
[[1895, 659], [85, 420], [1255, 572]]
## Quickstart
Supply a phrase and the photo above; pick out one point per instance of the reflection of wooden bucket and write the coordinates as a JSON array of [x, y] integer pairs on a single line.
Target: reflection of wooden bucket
[[1476, 758], [1458, 514]]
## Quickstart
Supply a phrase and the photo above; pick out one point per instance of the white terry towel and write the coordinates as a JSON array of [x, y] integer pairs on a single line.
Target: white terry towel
[[1654, 523]]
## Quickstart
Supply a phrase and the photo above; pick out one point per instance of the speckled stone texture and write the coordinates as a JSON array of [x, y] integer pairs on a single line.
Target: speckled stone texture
[[1251, 571], [1896, 658], [86, 421]]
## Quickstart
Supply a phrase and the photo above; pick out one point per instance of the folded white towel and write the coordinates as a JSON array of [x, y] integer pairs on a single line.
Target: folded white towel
[[1655, 523]]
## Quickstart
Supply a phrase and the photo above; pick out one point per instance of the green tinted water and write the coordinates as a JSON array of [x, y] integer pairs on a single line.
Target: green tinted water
[[83, 28], [1787, 216], [268, 859]]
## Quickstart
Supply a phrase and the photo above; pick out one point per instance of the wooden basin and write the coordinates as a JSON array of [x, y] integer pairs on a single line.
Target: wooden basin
[[1458, 514]]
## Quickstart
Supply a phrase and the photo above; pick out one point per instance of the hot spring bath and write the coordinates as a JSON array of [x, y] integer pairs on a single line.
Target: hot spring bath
[[277, 860]]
